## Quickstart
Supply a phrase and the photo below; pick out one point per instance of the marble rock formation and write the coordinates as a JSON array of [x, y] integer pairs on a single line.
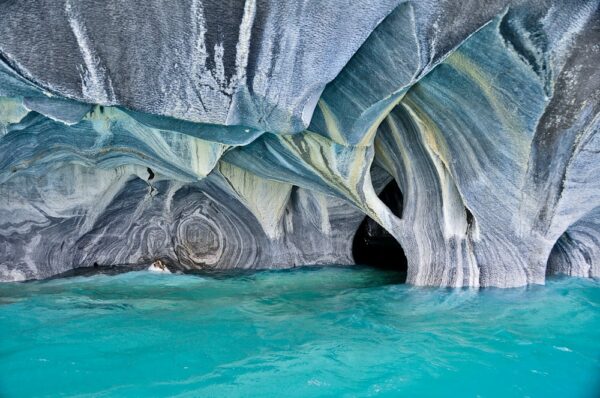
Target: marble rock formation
[[259, 133]]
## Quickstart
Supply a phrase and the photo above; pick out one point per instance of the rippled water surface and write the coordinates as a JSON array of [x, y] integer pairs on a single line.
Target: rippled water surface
[[307, 332]]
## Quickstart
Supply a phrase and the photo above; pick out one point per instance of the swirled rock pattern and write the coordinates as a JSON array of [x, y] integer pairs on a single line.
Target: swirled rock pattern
[[258, 134]]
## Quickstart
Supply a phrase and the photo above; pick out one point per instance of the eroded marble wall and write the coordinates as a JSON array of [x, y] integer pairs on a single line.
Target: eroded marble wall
[[262, 141]]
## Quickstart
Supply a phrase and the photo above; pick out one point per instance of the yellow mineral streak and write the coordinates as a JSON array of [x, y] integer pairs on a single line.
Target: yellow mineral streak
[[331, 123], [194, 155], [493, 94], [266, 199], [369, 135], [347, 170], [11, 111]]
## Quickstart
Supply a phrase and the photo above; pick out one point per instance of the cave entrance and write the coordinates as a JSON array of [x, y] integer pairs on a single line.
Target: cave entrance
[[373, 245]]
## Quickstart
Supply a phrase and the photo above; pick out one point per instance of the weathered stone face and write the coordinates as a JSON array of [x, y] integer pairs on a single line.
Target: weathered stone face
[[254, 134]]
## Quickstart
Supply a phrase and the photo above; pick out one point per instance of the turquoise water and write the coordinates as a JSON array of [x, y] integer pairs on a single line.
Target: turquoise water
[[301, 333]]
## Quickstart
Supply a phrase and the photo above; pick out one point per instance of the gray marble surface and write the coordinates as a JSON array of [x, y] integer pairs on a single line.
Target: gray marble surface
[[258, 133]]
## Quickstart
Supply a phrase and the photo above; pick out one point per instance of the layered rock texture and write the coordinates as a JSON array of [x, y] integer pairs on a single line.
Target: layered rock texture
[[259, 133]]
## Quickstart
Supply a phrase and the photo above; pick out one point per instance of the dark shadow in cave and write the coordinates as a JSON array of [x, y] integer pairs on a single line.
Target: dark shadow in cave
[[373, 245]]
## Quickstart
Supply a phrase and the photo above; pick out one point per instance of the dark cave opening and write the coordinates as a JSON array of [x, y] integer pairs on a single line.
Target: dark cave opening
[[373, 245]]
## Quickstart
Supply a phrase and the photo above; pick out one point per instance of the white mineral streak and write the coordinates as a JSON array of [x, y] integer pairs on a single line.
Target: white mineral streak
[[95, 82], [212, 88], [243, 45], [208, 87]]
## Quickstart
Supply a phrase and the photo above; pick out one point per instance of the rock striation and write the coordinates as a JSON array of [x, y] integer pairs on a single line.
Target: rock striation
[[259, 133]]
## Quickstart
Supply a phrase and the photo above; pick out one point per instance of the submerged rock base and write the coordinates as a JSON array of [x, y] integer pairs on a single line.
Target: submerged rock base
[[261, 136]]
